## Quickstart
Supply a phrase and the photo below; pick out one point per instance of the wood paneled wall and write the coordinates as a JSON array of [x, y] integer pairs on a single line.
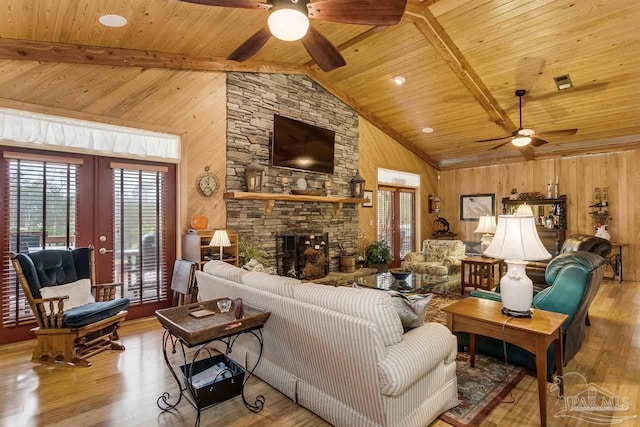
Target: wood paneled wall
[[619, 171], [191, 102], [378, 150]]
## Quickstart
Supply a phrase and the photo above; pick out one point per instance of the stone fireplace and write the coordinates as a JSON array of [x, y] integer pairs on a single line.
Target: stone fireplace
[[303, 256], [252, 101]]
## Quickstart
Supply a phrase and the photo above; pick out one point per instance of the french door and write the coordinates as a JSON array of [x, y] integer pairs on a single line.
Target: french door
[[397, 220], [126, 209]]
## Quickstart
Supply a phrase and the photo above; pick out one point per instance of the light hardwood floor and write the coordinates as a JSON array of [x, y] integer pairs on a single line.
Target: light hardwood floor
[[122, 388]]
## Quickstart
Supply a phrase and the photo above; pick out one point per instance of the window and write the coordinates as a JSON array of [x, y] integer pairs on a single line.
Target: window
[[41, 197], [140, 252]]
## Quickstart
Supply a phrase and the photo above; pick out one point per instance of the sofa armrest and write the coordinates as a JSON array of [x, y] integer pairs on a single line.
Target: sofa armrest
[[452, 261], [105, 292], [493, 296], [421, 350], [50, 311]]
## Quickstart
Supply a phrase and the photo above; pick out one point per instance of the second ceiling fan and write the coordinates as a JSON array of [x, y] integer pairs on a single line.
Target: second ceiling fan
[[289, 21], [523, 137]]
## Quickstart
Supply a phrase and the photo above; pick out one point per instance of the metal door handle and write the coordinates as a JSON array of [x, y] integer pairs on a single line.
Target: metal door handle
[[103, 251]]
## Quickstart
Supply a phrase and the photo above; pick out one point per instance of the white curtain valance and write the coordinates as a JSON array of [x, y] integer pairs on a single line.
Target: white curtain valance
[[101, 138]]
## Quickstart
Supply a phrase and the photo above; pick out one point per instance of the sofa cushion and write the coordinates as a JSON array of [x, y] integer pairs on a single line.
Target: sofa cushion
[[438, 250], [93, 312], [278, 285], [368, 304], [79, 293], [430, 268], [224, 270]]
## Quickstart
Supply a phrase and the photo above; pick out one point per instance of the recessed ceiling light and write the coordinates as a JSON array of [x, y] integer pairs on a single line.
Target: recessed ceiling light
[[113, 21], [427, 130], [399, 80]]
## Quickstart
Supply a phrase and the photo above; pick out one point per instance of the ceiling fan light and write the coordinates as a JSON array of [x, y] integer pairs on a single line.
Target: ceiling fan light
[[288, 24], [521, 141]]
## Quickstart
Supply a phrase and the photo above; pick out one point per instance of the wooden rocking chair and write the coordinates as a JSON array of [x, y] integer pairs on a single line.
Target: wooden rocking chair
[[73, 335]]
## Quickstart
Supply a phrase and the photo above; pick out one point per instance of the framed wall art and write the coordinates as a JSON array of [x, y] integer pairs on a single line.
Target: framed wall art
[[473, 206]]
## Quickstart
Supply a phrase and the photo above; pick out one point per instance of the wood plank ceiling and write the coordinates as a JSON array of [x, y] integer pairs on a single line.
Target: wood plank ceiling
[[504, 45]]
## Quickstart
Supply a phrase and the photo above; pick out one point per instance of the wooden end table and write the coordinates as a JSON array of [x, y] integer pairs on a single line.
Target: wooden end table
[[187, 331], [483, 317], [480, 272]]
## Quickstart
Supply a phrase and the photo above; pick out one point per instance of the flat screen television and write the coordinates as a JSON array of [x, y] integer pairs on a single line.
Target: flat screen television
[[298, 145]]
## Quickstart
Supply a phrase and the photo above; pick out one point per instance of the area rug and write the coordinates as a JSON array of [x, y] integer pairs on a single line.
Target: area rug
[[480, 389]]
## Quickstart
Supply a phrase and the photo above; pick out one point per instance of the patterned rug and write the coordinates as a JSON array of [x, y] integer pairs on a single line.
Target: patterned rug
[[480, 389]]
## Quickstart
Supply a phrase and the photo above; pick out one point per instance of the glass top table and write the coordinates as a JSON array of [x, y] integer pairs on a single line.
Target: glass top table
[[415, 283]]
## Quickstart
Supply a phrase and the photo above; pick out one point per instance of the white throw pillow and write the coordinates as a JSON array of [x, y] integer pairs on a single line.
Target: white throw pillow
[[79, 294]]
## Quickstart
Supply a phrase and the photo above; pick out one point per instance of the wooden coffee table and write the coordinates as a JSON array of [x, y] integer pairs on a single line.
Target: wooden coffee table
[[478, 316], [480, 272], [183, 330]]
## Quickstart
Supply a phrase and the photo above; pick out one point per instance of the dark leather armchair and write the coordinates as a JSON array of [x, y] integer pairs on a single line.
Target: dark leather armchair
[[69, 335], [575, 242], [573, 280]]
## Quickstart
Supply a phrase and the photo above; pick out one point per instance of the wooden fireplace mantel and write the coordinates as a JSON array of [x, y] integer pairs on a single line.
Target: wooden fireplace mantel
[[271, 198]]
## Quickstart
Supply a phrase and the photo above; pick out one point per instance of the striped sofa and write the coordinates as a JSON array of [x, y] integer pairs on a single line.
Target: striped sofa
[[341, 352]]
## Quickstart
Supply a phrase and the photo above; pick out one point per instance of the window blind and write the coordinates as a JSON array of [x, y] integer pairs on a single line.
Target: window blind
[[407, 222], [41, 200], [386, 208], [140, 250]]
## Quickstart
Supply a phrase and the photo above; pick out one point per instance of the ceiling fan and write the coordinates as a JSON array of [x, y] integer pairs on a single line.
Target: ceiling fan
[[522, 137], [289, 20]]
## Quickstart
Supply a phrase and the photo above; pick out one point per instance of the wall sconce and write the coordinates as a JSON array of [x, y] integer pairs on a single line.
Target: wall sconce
[[357, 187], [254, 173], [434, 204]]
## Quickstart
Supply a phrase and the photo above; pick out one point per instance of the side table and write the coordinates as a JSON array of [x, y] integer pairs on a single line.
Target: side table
[[480, 272], [483, 317], [183, 330], [615, 260]]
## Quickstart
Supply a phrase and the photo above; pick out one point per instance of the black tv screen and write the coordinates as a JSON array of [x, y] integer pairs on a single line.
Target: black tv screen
[[297, 145]]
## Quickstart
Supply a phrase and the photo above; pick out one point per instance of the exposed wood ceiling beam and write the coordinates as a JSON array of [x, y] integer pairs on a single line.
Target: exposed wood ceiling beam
[[582, 148], [429, 26], [78, 54], [358, 39], [401, 139]]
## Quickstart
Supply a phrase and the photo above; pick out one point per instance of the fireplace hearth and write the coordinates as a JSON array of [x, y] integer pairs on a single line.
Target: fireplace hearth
[[303, 256]]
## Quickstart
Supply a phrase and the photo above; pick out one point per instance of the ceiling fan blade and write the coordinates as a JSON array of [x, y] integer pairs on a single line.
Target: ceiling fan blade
[[322, 51], [500, 145], [537, 142], [251, 46], [563, 132], [241, 4], [363, 12], [494, 139]]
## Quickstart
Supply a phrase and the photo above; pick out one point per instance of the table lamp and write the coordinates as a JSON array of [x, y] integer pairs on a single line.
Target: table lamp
[[487, 225], [516, 241], [220, 238]]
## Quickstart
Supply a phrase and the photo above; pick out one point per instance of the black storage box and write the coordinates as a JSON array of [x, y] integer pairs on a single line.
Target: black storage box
[[220, 390]]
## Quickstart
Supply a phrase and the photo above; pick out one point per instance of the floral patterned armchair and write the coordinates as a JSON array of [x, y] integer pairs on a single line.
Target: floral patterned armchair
[[439, 262]]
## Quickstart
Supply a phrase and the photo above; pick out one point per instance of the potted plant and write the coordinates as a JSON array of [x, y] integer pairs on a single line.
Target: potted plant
[[379, 256], [247, 250]]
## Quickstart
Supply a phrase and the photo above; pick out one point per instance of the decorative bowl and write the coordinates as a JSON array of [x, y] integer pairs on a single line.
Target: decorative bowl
[[400, 274]]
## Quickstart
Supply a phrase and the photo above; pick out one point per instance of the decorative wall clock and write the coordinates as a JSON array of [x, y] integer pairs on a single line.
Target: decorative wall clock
[[207, 183]]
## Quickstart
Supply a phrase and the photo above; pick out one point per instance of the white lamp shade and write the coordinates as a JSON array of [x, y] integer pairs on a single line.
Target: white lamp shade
[[220, 238], [517, 238], [524, 209], [487, 224]]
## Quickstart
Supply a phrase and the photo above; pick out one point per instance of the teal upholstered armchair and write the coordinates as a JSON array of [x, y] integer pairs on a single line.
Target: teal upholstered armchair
[[573, 280]]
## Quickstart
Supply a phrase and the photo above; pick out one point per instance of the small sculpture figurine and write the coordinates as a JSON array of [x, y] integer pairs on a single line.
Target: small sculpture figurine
[[603, 233], [442, 225]]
